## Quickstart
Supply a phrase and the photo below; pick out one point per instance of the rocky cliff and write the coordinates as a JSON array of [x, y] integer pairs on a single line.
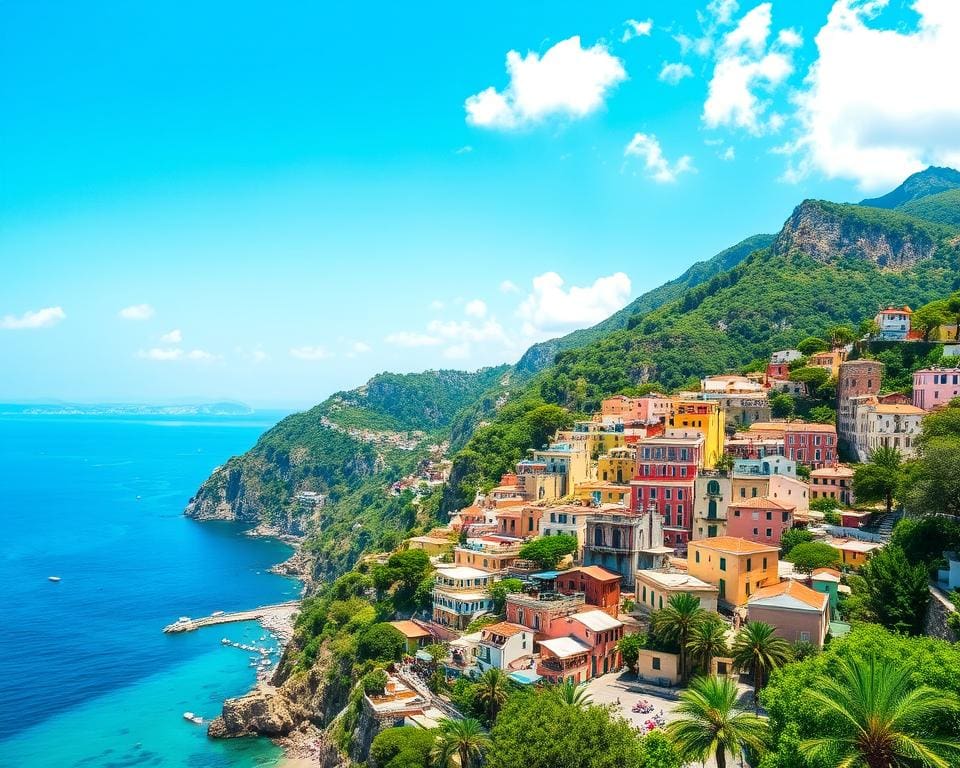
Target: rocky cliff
[[828, 231]]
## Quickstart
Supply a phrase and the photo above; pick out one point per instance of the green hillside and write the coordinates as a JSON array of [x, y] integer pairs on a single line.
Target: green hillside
[[830, 264], [930, 181], [943, 208]]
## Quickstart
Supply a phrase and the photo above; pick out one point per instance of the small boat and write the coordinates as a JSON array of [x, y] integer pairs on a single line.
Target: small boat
[[183, 619], [53, 578], [196, 719], [217, 613], [225, 641]]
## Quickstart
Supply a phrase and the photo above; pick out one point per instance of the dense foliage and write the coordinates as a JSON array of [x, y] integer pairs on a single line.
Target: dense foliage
[[547, 551]]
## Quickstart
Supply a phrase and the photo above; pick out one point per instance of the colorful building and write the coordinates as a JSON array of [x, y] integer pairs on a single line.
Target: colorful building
[[655, 588], [564, 659], [892, 426], [597, 492], [460, 594], [624, 542], [828, 361], [666, 470], [853, 552], [797, 613], [761, 520], [857, 379], [832, 483], [705, 417], [893, 323], [712, 493], [600, 587], [569, 519], [505, 646], [519, 521], [617, 465], [827, 581], [539, 609], [416, 637], [432, 545], [935, 387], [650, 409], [736, 566], [814, 445], [593, 633]]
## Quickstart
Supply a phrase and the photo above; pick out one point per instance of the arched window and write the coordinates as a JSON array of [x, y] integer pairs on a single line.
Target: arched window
[[713, 488], [712, 509]]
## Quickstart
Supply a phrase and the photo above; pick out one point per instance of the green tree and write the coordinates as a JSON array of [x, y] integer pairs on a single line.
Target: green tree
[[813, 554], [823, 504], [375, 682], [757, 650], [501, 589], [657, 751], [381, 642], [840, 335], [883, 718], [547, 550], [925, 539], [822, 414], [930, 317], [403, 747], [464, 739], [493, 689], [629, 647], [707, 640], [880, 477], [953, 304], [674, 622], [793, 536], [725, 462], [711, 723], [781, 405], [572, 694], [811, 345], [537, 730], [897, 592]]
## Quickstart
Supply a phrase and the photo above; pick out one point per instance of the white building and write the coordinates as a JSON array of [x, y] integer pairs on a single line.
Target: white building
[[570, 519], [460, 594], [785, 356], [894, 323], [505, 646], [892, 426]]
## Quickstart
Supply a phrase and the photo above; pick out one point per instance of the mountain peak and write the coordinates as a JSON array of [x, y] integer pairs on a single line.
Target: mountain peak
[[921, 184]]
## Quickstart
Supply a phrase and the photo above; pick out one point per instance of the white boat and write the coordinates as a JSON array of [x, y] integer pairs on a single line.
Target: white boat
[[53, 578], [193, 718], [217, 613], [183, 619]]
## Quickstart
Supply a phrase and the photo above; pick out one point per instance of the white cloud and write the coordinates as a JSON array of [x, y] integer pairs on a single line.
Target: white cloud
[[475, 308], [170, 354], [790, 38], [745, 66], [728, 154], [723, 10], [467, 330], [636, 28], [674, 72], [308, 352], [457, 351], [567, 80], [173, 337], [40, 318], [552, 308], [411, 339], [880, 103], [357, 348], [647, 148], [466, 149], [508, 286], [436, 305], [137, 312]]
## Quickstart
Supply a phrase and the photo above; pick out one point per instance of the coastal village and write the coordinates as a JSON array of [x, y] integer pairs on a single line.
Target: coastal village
[[660, 501]]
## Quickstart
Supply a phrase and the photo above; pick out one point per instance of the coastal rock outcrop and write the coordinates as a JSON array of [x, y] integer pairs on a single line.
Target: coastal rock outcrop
[[262, 711], [826, 231]]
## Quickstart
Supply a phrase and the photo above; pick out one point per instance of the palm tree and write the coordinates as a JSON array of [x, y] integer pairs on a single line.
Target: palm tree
[[493, 691], [884, 718], [464, 739], [674, 622], [712, 723], [573, 695], [708, 639], [757, 649]]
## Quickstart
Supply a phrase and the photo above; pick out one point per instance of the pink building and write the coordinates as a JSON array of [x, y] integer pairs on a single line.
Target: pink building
[[934, 387], [797, 613], [666, 472], [650, 409], [761, 519], [812, 444], [583, 646]]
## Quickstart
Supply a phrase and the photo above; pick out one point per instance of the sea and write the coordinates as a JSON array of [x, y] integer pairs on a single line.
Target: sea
[[87, 677]]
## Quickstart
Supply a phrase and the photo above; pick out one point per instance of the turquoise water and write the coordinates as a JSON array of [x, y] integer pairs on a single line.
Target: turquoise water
[[87, 678]]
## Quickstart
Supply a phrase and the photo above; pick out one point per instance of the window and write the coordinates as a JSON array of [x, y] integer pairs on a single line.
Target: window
[[769, 533], [713, 488], [655, 662], [769, 515], [667, 493], [723, 563], [644, 598], [804, 637], [679, 494], [764, 563], [743, 492], [696, 556]]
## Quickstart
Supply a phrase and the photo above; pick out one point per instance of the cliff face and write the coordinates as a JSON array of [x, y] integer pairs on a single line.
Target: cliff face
[[825, 231]]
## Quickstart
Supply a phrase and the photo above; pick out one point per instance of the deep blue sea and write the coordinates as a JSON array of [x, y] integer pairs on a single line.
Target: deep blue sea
[[87, 678]]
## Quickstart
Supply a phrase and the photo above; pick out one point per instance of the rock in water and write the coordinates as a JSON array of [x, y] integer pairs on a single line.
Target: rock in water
[[266, 713]]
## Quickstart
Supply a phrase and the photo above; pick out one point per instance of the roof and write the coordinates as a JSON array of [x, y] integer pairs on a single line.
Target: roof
[[431, 539], [409, 629], [564, 647], [803, 426], [462, 572], [855, 546], [545, 575], [596, 620], [896, 310], [903, 410], [767, 426], [596, 572], [733, 544], [676, 581], [838, 471], [762, 502], [789, 594], [826, 574], [505, 628]]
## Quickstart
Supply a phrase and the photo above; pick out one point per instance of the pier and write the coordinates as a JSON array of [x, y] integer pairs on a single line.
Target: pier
[[281, 611]]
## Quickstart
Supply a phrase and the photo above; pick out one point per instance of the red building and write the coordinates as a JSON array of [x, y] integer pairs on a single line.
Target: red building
[[600, 587], [778, 371], [812, 444], [666, 470], [760, 519]]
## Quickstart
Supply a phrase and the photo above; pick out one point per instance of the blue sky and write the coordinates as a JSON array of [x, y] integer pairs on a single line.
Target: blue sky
[[225, 200]]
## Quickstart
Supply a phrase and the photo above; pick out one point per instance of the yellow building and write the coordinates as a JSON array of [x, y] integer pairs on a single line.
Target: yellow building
[[853, 553], [432, 545], [736, 566], [707, 418], [599, 492], [617, 465], [596, 437]]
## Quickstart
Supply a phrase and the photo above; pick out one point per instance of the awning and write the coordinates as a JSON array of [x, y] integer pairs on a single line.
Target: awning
[[424, 656]]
